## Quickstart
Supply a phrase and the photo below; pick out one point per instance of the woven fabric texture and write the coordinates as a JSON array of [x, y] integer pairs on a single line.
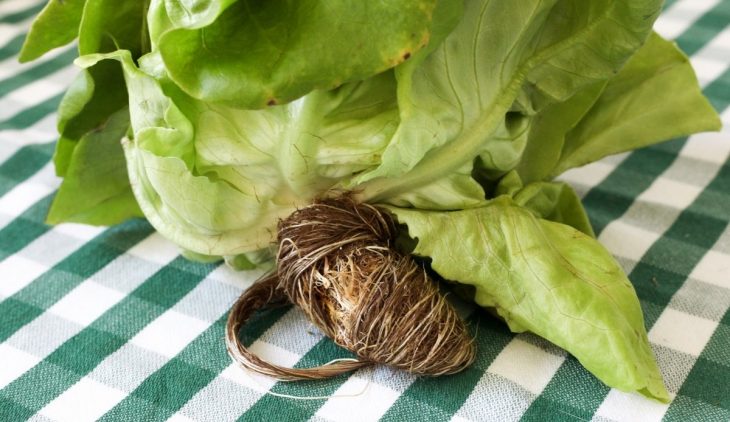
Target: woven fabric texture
[[113, 324]]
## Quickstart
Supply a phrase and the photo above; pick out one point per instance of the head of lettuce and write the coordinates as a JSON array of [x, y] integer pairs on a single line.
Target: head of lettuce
[[214, 119]]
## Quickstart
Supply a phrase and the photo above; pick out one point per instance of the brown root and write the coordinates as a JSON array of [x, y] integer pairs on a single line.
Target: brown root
[[337, 263]]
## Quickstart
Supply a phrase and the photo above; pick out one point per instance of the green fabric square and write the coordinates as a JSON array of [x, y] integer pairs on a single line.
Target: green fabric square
[[35, 388], [25, 228], [440, 398], [168, 389], [685, 409], [82, 352], [572, 391], [708, 383], [136, 409], [12, 411], [15, 314], [23, 164], [718, 348], [128, 317], [169, 284]]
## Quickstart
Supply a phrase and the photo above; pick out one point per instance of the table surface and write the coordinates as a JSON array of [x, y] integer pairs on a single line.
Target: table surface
[[112, 323]]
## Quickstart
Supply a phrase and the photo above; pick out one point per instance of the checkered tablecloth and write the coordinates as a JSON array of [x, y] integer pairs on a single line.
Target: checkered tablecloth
[[113, 323]]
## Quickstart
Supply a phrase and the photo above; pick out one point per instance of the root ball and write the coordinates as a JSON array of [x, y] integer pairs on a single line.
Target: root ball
[[336, 261]]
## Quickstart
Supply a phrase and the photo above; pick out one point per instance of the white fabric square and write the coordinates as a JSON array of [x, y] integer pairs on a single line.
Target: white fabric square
[[23, 196], [713, 268], [79, 231], [627, 240], [368, 405], [239, 279], [682, 332], [253, 380], [31, 94], [86, 302], [526, 364], [16, 272], [177, 417], [87, 400], [712, 147], [708, 67], [10, 6], [589, 175], [495, 398], [671, 193], [680, 16], [14, 363], [155, 248], [170, 333], [630, 407]]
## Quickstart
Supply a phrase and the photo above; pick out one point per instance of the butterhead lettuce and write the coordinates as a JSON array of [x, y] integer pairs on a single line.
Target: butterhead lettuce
[[216, 118]]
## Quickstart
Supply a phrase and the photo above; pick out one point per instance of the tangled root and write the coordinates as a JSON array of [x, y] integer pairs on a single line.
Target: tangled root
[[337, 263]]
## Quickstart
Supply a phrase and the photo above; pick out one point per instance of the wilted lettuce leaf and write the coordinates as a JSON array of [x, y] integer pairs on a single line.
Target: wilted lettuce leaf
[[257, 53], [546, 278], [56, 26], [95, 189]]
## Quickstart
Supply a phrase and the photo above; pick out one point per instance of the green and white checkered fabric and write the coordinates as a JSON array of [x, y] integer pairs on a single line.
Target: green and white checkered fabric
[[112, 323]]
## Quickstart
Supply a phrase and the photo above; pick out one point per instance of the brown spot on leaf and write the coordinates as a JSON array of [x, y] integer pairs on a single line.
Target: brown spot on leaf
[[271, 102], [406, 56]]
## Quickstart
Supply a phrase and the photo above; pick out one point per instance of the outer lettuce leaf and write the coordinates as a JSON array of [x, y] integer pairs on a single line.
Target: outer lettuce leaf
[[547, 132], [85, 108], [95, 189], [83, 115], [56, 26], [464, 90], [552, 201], [215, 179], [109, 25], [193, 14], [654, 97], [256, 54], [547, 278], [457, 190]]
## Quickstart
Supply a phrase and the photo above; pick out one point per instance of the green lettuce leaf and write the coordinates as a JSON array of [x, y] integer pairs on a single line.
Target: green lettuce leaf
[[548, 129], [474, 95], [85, 107], [654, 97], [98, 92], [216, 179], [256, 54], [552, 201], [109, 25], [56, 26], [96, 189], [193, 14], [547, 278]]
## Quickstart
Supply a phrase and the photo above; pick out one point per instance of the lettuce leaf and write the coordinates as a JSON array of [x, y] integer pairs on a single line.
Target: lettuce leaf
[[95, 189], [235, 113], [546, 278], [217, 179], [258, 54], [476, 93], [56, 26], [654, 97]]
